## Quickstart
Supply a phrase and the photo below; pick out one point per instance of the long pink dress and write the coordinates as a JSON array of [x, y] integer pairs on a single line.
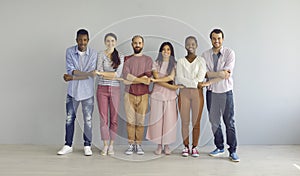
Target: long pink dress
[[162, 126]]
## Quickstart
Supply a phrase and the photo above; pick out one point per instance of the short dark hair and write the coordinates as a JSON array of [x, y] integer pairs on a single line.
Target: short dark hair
[[191, 37], [82, 32], [137, 36], [217, 31]]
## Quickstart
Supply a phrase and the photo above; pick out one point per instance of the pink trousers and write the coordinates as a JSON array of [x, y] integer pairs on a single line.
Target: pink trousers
[[108, 98]]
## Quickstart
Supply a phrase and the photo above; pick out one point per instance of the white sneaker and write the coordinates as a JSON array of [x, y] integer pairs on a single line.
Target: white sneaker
[[139, 150], [104, 151], [87, 150], [110, 150], [65, 150]]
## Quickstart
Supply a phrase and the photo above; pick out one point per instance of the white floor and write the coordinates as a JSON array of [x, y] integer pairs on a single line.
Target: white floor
[[33, 160]]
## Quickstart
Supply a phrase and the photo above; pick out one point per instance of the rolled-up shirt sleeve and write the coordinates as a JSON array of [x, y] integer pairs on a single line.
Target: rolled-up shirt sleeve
[[69, 62], [230, 61], [93, 63], [125, 70]]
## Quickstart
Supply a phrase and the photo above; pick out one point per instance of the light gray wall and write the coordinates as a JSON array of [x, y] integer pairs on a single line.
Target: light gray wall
[[35, 34]]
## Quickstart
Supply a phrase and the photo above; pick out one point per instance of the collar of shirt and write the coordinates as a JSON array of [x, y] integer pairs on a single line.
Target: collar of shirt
[[87, 50], [221, 51], [218, 55]]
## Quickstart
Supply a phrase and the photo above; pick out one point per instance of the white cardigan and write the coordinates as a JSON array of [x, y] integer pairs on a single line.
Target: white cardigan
[[189, 74]]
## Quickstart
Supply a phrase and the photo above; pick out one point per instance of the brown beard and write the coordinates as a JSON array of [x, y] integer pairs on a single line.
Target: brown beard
[[137, 51]]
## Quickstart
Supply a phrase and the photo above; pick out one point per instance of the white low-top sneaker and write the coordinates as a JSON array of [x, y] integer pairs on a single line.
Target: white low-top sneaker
[[139, 150], [110, 150], [87, 150], [104, 151], [65, 150]]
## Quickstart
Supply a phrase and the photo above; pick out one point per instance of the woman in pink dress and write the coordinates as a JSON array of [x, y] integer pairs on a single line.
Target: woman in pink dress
[[163, 115]]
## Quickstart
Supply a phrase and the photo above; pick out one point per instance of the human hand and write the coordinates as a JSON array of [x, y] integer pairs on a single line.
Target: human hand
[[179, 86], [147, 80], [98, 73], [119, 79], [93, 73], [68, 77], [153, 80], [225, 74], [203, 84], [126, 82]]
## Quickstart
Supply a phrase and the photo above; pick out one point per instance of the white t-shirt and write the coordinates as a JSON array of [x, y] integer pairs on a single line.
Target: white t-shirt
[[81, 58]]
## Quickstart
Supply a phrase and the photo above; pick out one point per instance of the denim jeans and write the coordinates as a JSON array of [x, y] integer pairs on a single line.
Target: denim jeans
[[87, 110], [221, 104]]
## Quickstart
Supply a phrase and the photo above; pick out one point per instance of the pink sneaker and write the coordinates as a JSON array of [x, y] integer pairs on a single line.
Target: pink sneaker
[[185, 152], [195, 152]]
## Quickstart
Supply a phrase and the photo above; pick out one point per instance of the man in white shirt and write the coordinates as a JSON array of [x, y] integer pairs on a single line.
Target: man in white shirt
[[219, 96]]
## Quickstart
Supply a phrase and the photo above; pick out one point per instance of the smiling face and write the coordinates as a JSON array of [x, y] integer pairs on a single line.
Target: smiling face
[[110, 42], [217, 40], [137, 45], [82, 41], [166, 51], [191, 45]]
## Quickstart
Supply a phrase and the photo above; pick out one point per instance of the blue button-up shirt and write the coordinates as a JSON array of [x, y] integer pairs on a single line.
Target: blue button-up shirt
[[81, 89]]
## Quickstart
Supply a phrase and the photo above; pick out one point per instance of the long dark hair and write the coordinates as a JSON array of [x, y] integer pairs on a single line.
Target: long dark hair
[[115, 54], [172, 60]]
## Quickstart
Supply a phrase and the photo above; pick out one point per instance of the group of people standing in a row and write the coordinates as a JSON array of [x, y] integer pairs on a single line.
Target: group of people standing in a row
[[213, 69]]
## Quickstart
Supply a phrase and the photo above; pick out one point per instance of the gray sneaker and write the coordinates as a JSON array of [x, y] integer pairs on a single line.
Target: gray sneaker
[[139, 150], [130, 149]]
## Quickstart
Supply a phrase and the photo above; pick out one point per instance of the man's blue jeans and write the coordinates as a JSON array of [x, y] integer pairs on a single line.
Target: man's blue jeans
[[87, 110], [221, 104]]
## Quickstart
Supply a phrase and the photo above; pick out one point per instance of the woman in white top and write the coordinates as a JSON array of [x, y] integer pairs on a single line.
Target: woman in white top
[[190, 73], [109, 69]]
